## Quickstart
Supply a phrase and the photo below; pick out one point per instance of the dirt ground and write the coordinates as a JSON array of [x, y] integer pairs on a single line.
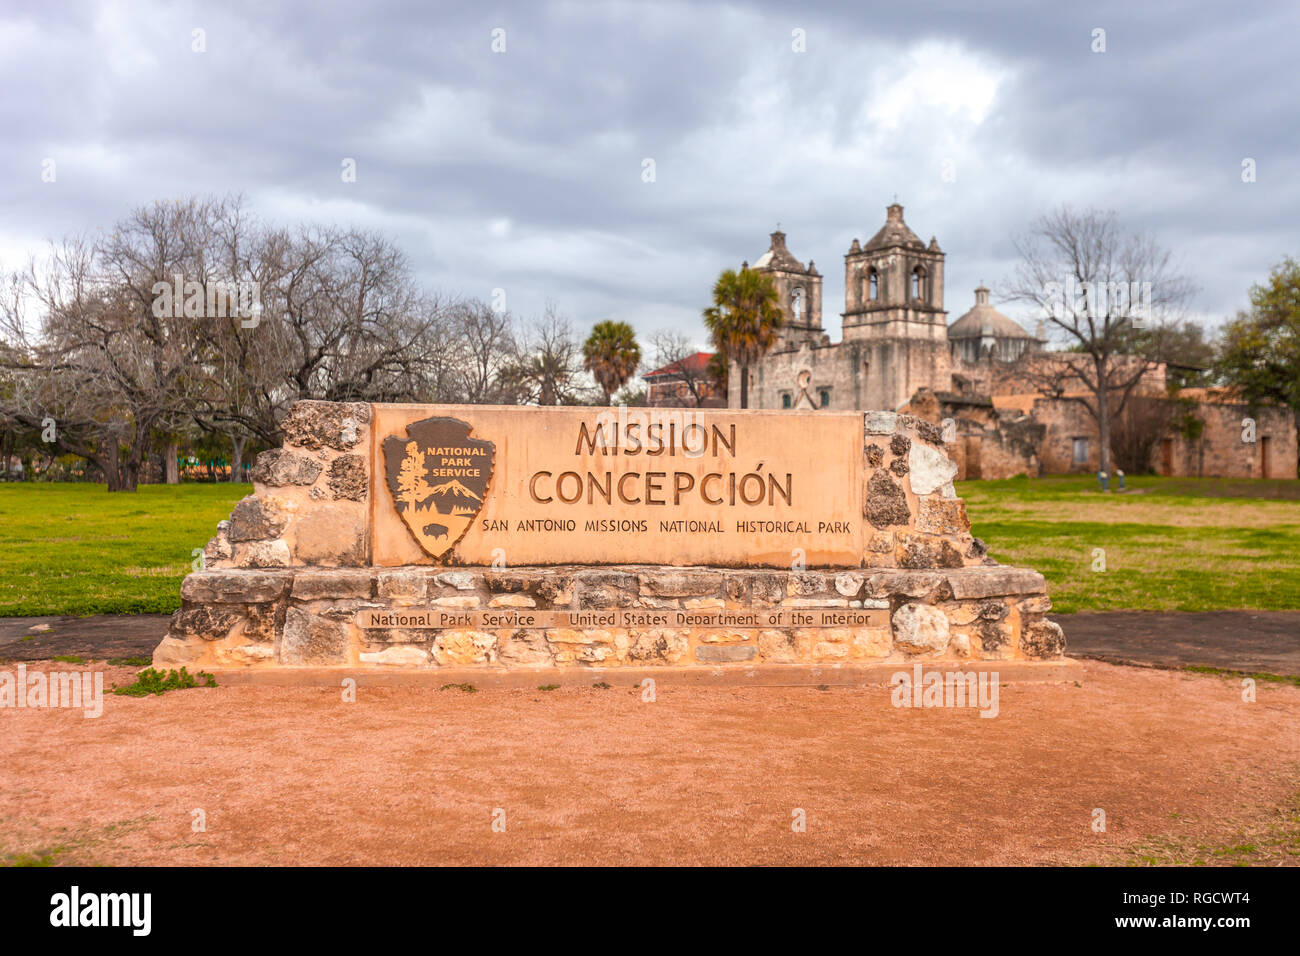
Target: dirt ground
[[294, 775]]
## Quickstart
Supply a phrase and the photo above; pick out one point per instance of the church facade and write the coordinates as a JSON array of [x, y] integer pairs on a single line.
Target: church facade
[[895, 337], [897, 352]]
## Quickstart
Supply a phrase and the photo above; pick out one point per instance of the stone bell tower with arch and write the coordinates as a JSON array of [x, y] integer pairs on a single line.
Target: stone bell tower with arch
[[894, 320], [800, 291]]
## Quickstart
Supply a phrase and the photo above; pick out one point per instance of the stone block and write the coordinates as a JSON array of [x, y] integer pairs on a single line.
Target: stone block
[[982, 582], [524, 648], [680, 583], [806, 584], [920, 628], [347, 478], [209, 622], [261, 554], [725, 653], [324, 583], [233, 586], [921, 552], [404, 655], [1042, 640], [942, 516], [588, 646], [902, 583], [279, 467], [931, 470], [460, 580], [337, 425], [849, 583], [407, 585], [657, 646], [886, 505], [880, 423], [311, 639], [459, 648], [256, 518]]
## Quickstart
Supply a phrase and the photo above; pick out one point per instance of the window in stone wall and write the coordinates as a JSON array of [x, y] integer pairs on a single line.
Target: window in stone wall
[[918, 284], [873, 286], [824, 395], [785, 400], [1081, 451], [796, 304]]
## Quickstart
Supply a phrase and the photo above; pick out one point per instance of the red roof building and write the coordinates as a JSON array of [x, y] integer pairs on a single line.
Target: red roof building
[[685, 383]]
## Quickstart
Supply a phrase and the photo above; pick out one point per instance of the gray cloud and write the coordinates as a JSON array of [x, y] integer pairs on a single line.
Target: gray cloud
[[522, 170]]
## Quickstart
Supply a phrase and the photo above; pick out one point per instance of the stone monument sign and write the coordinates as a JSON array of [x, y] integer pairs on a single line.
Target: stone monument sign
[[424, 537]]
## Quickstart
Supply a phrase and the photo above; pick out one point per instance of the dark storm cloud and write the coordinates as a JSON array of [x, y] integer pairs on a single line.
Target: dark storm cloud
[[522, 170]]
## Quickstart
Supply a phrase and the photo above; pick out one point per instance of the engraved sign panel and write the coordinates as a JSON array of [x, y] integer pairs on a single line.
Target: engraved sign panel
[[620, 486], [416, 618]]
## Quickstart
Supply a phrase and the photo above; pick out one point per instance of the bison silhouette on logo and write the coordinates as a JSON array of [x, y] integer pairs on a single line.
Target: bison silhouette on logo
[[438, 472]]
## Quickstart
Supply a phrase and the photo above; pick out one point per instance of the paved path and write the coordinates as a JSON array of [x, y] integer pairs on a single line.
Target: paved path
[[98, 637], [1267, 641]]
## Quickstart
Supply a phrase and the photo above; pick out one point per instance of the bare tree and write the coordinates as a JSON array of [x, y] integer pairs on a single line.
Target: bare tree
[[547, 366], [1110, 297], [84, 341], [341, 319], [101, 362], [488, 344]]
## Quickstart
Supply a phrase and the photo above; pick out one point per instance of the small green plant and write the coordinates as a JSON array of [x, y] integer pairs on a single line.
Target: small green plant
[[69, 659], [601, 685], [130, 661], [150, 681], [1224, 672], [548, 687], [464, 688], [41, 858]]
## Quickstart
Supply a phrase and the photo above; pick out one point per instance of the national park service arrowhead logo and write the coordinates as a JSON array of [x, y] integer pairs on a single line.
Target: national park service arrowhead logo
[[438, 476]]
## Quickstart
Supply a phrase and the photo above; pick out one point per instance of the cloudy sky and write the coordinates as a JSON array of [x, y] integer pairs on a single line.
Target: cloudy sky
[[524, 168]]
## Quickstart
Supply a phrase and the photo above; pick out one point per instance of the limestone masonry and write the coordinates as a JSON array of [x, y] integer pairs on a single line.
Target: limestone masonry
[[407, 536]]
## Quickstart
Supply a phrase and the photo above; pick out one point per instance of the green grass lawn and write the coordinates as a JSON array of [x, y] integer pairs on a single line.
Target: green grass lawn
[[1169, 544], [76, 549]]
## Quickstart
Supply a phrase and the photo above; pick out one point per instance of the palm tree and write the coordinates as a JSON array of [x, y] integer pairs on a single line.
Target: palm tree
[[611, 355], [744, 319]]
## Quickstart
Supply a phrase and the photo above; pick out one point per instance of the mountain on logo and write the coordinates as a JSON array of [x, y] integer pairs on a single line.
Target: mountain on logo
[[452, 489]]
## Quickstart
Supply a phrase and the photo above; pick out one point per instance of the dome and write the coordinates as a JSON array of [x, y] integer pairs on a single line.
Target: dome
[[985, 321]]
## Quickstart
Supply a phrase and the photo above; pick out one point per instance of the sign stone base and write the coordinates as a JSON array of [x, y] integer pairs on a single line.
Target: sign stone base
[[302, 575]]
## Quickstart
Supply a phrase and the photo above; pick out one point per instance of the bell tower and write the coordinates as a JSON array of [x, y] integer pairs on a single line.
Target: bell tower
[[800, 292], [894, 315]]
